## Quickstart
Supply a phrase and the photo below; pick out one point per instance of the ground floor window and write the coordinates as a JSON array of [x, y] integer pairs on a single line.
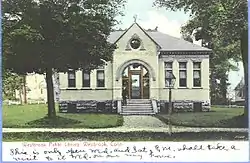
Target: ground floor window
[[182, 74], [86, 79], [168, 72], [100, 78], [71, 78], [196, 74]]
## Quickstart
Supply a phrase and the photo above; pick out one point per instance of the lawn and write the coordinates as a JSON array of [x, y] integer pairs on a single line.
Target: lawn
[[34, 116], [117, 136], [217, 117]]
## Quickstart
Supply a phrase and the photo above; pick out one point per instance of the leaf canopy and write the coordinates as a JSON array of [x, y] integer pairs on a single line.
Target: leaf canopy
[[59, 34]]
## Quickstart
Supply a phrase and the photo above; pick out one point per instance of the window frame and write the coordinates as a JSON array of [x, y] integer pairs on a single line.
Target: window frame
[[167, 69], [182, 70], [73, 84], [199, 70], [88, 81], [138, 43], [100, 69]]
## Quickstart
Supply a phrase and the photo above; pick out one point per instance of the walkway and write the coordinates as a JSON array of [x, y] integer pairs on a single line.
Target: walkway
[[142, 121], [131, 124]]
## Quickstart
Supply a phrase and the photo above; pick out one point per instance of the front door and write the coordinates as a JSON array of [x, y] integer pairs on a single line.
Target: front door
[[135, 85], [136, 82]]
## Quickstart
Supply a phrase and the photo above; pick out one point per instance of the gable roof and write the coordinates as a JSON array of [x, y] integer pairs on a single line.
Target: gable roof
[[164, 41], [170, 43], [124, 32]]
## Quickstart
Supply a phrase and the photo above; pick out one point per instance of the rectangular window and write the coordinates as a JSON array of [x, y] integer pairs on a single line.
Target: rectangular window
[[85, 79], [100, 78], [71, 79], [168, 71], [182, 74], [196, 74]]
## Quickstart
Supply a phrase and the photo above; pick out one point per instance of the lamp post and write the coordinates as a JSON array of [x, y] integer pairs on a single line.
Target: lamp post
[[170, 86]]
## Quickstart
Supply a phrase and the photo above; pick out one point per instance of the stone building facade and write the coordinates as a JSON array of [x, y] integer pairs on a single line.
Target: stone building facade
[[141, 66]]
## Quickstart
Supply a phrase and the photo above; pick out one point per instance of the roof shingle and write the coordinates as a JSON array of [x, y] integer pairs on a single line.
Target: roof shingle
[[167, 42]]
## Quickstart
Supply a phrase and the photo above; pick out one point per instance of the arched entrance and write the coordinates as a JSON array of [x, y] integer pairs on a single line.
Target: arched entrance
[[136, 81]]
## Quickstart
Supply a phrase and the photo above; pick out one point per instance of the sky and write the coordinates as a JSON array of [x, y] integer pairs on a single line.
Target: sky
[[168, 22]]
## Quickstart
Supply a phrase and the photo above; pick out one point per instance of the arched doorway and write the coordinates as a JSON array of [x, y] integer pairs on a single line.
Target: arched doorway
[[136, 81]]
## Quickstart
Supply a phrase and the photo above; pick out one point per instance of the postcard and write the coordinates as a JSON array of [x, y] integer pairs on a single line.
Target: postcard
[[125, 81]]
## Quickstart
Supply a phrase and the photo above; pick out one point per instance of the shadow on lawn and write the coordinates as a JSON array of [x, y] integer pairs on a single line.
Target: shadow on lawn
[[240, 121], [120, 136], [56, 122]]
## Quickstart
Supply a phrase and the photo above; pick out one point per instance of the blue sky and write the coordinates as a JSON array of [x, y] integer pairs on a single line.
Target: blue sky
[[150, 17], [167, 21]]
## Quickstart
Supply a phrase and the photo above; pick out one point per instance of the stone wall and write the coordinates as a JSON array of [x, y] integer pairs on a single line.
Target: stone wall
[[87, 106], [184, 106], [91, 106]]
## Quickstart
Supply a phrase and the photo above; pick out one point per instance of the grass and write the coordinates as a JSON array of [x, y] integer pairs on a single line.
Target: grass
[[217, 117], [35, 116], [116, 136]]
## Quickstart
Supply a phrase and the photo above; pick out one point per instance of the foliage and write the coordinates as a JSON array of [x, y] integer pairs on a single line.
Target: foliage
[[222, 25], [223, 21], [187, 37], [43, 35], [11, 83], [220, 65]]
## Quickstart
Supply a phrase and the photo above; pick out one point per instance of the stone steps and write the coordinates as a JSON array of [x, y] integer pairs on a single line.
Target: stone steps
[[138, 107], [137, 110], [138, 101], [130, 103], [139, 113]]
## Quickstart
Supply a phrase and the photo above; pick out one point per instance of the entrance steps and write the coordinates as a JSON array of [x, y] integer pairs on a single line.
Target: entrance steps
[[138, 107]]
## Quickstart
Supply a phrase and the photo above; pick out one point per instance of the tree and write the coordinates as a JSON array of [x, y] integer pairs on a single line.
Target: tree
[[219, 64], [47, 35], [11, 83], [220, 22], [187, 38]]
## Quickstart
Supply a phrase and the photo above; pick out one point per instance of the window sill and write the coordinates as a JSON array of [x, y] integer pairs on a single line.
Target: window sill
[[71, 88], [197, 88], [101, 88], [86, 88], [182, 88]]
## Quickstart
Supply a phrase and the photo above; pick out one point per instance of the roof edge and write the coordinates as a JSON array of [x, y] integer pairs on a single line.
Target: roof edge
[[141, 29], [148, 35], [123, 34], [187, 52]]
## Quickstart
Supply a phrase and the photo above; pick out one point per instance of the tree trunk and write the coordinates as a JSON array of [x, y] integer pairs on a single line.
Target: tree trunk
[[244, 53], [24, 90], [20, 96], [50, 94], [223, 89]]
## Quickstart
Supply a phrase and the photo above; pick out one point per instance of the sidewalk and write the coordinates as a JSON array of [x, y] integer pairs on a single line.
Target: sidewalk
[[131, 124], [175, 129]]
